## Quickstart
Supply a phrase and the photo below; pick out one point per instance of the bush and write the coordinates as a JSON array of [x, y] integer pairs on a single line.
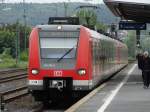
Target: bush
[[7, 40], [6, 60], [6, 54], [24, 56]]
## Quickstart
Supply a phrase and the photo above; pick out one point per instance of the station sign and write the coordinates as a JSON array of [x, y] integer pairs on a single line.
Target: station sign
[[126, 25]]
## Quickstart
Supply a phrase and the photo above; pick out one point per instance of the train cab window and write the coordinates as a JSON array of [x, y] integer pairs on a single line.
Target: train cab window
[[58, 49]]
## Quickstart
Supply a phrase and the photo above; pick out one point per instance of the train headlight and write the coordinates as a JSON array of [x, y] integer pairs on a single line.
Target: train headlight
[[35, 72], [81, 72]]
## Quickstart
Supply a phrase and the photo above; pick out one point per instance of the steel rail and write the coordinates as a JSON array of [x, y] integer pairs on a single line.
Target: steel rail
[[12, 78], [12, 70], [11, 95]]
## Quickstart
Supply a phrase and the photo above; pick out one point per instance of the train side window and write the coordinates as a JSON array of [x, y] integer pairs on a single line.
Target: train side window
[[99, 51]]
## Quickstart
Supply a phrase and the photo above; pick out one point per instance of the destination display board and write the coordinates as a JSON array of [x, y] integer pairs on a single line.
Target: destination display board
[[64, 20]]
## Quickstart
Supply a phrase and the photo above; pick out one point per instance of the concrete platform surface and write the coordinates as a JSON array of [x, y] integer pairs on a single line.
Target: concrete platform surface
[[123, 93]]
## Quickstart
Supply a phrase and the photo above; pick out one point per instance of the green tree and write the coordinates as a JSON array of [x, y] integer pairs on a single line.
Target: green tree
[[101, 26], [9, 35], [7, 40], [89, 18]]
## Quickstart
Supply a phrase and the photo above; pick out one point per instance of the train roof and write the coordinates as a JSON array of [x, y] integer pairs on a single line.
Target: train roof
[[137, 10], [93, 33], [98, 35]]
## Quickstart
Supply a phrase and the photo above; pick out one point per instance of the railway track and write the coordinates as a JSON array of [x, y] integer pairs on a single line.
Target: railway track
[[14, 93], [12, 70], [12, 74], [12, 78], [10, 95]]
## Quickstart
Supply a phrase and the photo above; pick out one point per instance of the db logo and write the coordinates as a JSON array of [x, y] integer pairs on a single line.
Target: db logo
[[58, 73]]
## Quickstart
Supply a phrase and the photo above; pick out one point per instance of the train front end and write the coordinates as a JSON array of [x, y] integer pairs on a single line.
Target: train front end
[[59, 61]]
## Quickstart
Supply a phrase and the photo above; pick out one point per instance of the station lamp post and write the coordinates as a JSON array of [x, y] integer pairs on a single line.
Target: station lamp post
[[17, 44], [25, 24]]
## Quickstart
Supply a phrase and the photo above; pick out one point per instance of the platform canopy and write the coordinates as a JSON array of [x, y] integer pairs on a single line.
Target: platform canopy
[[137, 10]]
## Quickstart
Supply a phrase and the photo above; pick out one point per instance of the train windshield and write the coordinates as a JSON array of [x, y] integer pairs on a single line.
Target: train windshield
[[58, 49]]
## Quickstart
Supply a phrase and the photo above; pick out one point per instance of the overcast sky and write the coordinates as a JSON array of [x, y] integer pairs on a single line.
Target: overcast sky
[[52, 1]]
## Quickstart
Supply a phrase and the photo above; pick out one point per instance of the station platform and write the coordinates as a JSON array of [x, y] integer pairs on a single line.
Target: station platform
[[123, 93]]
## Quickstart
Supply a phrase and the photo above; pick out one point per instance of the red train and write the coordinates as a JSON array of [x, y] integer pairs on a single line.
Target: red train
[[65, 59]]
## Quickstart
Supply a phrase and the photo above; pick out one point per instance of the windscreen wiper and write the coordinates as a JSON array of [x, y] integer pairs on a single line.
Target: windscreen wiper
[[65, 54]]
